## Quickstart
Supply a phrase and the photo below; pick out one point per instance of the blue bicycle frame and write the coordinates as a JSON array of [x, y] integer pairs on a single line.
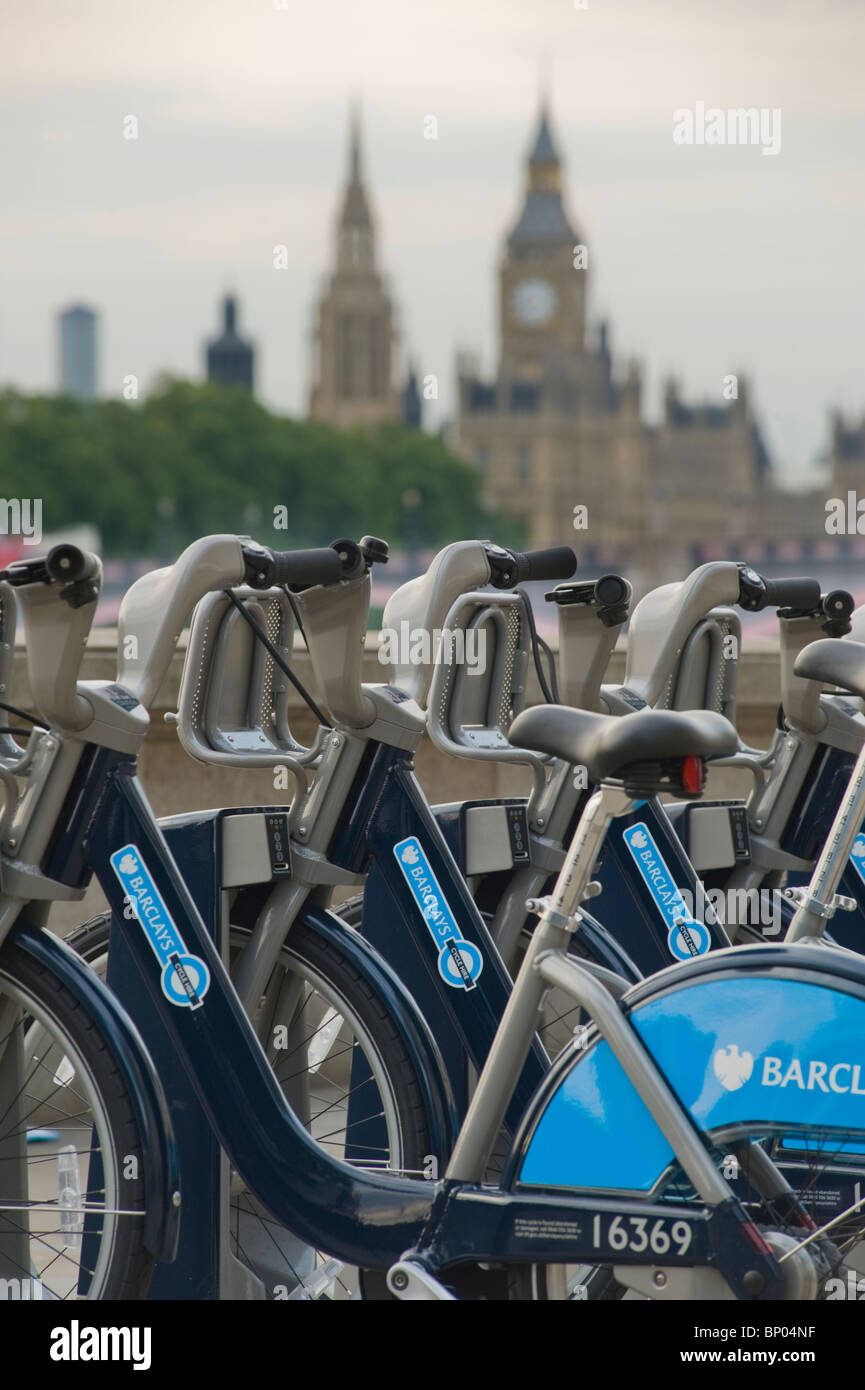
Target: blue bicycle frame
[[632, 931], [366, 1219], [632, 940]]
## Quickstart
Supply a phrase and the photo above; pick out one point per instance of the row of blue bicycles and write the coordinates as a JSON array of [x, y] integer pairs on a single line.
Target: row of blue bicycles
[[601, 1041]]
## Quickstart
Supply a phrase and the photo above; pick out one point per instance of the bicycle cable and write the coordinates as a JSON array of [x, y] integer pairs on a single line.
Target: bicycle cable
[[297, 618], [550, 692], [548, 652], [22, 714], [276, 656]]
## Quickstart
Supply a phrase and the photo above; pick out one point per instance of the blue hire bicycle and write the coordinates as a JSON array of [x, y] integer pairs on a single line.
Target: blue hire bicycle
[[706, 1058]]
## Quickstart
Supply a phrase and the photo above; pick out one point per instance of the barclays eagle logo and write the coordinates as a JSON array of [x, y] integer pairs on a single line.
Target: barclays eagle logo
[[732, 1067]]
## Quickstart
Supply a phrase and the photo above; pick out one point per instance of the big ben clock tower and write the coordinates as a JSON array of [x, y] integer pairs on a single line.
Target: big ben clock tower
[[556, 427], [542, 297], [556, 431]]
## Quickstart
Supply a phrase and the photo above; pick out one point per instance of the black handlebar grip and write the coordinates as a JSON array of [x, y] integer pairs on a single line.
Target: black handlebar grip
[[612, 589], [559, 562], [793, 593], [321, 566], [66, 564], [838, 603]]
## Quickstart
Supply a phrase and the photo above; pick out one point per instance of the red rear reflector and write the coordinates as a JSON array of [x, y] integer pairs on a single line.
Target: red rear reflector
[[756, 1239], [692, 774]]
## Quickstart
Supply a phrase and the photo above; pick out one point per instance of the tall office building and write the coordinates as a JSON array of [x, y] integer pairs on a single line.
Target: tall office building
[[77, 356], [230, 358]]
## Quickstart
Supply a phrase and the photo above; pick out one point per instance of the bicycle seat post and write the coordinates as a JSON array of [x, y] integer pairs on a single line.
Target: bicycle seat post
[[818, 902]]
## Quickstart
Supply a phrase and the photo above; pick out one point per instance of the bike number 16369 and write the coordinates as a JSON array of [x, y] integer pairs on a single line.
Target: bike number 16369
[[639, 1233]]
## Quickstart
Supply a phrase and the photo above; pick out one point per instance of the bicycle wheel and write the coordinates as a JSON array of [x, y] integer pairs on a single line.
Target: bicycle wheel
[[330, 1041], [71, 1163], [561, 1017], [818, 1171], [560, 1025]]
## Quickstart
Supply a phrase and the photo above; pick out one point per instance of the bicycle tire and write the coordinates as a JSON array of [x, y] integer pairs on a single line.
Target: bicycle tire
[[51, 1015], [322, 960]]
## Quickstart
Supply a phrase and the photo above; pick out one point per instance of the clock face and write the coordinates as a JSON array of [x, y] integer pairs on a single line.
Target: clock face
[[534, 302]]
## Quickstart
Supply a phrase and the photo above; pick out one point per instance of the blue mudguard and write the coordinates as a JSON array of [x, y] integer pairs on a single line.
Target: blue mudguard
[[161, 1171], [755, 1040]]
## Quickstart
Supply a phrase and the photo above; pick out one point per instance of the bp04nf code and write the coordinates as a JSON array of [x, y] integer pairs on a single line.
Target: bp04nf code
[[635, 1234]]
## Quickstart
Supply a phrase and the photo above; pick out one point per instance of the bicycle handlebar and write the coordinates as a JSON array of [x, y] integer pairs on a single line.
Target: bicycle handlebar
[[838, 606], [800, 592], [608, 597], [55, 639], [511, 567], [77, 570], [757, 593], [153, 611], [557, 562], [68, 565], [612, 590], [292, 567], [305, 569], [801, 697]]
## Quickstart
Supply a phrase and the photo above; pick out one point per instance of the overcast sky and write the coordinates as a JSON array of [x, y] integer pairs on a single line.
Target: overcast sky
[[705, 259]]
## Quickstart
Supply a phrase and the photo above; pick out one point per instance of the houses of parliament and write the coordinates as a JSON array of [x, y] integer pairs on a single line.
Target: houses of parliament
[[558, 433]]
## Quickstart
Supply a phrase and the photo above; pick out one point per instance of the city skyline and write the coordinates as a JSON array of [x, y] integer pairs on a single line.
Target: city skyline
[[706, 260]]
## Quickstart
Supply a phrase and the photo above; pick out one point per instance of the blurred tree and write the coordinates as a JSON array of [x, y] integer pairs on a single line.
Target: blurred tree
[[193, 459]]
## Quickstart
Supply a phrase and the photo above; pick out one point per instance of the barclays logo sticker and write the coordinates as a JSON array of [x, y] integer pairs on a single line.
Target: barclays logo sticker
[[686, 937], [460, 962], [732, 1067], [185, 978], [857, 855]]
